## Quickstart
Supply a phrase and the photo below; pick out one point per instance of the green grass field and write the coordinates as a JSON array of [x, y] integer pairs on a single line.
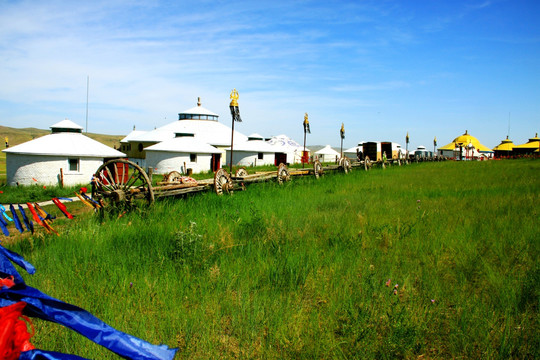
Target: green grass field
[[430, 260]]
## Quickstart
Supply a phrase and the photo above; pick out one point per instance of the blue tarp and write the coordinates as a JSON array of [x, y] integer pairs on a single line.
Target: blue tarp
[[43, 306]]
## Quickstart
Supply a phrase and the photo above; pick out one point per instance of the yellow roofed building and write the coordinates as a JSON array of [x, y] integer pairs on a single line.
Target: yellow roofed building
[[531, 147], [504, 149], [466, 147]]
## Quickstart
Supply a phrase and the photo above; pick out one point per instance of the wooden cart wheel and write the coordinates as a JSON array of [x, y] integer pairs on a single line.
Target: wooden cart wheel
[[367, 163], [222, 182], [173, 177], [241, 172], [122, 183], [317, 169], [283, 174], [345, 164]]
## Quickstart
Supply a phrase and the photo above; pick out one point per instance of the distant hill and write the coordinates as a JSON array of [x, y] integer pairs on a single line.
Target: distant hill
[[19, 136]]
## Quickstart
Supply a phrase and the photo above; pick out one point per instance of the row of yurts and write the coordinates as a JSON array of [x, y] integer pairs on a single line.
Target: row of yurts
[[197, 141]]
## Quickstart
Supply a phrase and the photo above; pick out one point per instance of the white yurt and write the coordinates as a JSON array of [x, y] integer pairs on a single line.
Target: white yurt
[[327, 154], [125, 144], [253, 152], [287, 150], [182, 153], [65, 156], [197, 122], [355, 152]]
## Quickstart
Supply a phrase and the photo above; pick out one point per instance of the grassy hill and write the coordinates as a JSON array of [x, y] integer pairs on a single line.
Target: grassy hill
[[18, 136]]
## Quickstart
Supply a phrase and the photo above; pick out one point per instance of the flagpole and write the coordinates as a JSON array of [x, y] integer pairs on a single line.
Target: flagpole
[[305, 132], [304, 152], [407, 145], [235, 114], [342, 135], [232, 142]]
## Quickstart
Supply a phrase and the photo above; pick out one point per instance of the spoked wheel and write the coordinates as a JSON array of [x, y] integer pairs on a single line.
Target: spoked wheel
[[283, 174], [345, 164], [367, 163], [241, 172], [222, 182], [173, 177], [317, 169], [122, 183]]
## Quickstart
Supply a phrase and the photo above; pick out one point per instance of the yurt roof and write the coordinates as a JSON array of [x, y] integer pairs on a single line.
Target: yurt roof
[[327, 150], [155, 136], [451, 146], [66, 124], [65, 144], [353, 149], [505, 145], [199, 110], [184, 145], [255, 146], [465, 140], [285, 142], [255, 136], [531, 144], [132, 135], [210, 132]]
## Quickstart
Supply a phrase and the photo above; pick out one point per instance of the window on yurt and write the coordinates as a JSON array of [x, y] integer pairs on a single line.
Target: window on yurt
[[193, 157], [260, 157], [73, 164]]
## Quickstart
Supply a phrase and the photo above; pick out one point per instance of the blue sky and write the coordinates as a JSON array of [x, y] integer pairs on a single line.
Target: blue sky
[[382, 67]]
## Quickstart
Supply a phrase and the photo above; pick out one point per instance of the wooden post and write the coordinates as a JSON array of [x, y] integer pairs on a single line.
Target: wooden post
[[61, 177], [150, 173]]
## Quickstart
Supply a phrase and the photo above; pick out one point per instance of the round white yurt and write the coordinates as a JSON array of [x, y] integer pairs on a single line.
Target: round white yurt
[[253, 152], [356, 152], [64, 157], [197, 122], [182, 153], [327, 154], [287, 150]]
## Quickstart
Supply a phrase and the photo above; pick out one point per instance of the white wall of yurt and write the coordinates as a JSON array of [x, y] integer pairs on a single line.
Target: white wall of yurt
[[163, 162], [251, 158], [23, 169]]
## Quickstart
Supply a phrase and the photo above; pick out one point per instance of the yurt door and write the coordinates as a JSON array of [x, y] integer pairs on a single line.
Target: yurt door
[[281, 158], [215, 162]]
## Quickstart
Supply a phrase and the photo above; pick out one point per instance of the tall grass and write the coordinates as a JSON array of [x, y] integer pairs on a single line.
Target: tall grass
[[301, 270]]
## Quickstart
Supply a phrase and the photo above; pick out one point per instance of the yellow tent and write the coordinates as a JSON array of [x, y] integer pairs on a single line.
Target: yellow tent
[[505, 148], [464, 141], [505, 145], [531, 146]]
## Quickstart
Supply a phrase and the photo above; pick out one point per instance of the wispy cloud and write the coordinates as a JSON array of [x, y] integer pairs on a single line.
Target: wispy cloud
[[148, 60]]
